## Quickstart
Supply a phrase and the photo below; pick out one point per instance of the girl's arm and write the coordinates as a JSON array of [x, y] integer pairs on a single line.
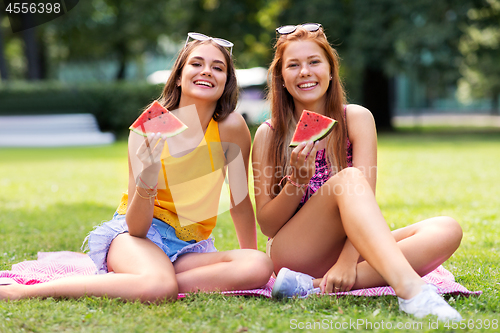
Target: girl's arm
[[236, 141], [363, 137], [273, 213], [144, 157]]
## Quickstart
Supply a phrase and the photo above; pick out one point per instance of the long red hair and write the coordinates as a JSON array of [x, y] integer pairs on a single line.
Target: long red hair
[[283, 108]]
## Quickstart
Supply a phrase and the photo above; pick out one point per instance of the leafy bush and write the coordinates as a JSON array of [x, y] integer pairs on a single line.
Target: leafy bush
[[115, 105]]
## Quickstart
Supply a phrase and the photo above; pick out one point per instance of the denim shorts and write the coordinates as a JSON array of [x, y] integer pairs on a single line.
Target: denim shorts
[[160, 233]]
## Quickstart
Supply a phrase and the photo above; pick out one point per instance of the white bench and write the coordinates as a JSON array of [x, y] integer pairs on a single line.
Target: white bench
[[52, 131]]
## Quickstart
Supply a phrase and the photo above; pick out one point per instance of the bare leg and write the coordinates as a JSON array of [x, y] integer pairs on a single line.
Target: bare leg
[[344, 207], [229, 270], [143, 272], [426, 245]]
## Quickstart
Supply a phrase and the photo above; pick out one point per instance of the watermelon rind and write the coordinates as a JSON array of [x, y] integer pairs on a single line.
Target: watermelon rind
[[318, 136], [150, 122]]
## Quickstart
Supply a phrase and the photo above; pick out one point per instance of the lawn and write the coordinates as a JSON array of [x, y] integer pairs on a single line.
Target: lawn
[[51, 198]]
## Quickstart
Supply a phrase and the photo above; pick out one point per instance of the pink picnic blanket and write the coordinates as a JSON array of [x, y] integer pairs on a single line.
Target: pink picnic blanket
[[55, 265]]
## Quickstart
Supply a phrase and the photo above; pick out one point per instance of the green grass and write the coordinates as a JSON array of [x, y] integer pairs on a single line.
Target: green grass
[[51, 198]]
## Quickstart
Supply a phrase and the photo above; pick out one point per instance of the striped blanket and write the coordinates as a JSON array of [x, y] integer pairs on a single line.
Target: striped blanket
[[55, 265]]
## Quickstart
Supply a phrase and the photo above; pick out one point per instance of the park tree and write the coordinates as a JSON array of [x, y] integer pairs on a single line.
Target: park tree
[[3, 64], [244, 22], [32, 50], [480, 46], [378, 39], [104, 29]]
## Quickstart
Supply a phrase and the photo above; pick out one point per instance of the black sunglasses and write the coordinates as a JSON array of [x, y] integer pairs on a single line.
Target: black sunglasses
[[288, 29]]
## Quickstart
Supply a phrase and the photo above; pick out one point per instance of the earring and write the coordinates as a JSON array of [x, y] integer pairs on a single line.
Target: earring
[[330, 77]]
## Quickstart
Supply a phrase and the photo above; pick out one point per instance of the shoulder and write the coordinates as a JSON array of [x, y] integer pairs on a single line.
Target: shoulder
[[359, 120], [358, 116], [234, 129], [233, 124], [263, 131], [261, 140], [357, 112]]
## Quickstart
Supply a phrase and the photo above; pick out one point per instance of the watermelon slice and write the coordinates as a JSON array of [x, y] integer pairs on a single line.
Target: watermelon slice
[[157, 119], [312, 127]]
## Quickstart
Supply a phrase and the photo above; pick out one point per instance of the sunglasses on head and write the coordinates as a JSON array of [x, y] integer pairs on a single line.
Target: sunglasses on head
[[288, 29], [202, 37]]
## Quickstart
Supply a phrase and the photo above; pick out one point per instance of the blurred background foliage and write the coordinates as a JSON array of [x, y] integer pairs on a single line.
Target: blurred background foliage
[[397, 56]]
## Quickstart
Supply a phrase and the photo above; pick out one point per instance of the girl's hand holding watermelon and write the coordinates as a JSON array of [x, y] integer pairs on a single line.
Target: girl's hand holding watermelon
[[302, 162], [149, 153]]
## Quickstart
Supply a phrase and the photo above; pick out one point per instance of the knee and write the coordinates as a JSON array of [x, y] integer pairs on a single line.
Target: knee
[[452, 229], [257, 266], [348, 181], [446, 231], [157, 289], [348, 175], [351, 172]]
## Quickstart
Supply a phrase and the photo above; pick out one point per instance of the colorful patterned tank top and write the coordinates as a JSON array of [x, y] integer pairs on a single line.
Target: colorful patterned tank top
[[322, 172]]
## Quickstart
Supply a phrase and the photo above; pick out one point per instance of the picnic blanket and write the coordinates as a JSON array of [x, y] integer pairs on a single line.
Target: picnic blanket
[[55, 265]]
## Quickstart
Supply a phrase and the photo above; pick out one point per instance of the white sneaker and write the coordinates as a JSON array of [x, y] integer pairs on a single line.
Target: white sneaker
[[429, 302], [289, 284]]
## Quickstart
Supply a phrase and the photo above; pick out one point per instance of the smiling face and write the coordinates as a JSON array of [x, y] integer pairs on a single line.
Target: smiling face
[[306, 75], [204, 75]]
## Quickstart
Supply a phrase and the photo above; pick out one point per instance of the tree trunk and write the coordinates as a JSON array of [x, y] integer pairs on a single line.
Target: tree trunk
[[3, 64], [31, 49], [42, 60], [495, 107], [377, 97], [122, 58], [121, 70]]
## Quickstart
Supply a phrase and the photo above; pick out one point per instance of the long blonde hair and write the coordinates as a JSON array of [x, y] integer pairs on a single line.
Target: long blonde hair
[[283, 108]]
